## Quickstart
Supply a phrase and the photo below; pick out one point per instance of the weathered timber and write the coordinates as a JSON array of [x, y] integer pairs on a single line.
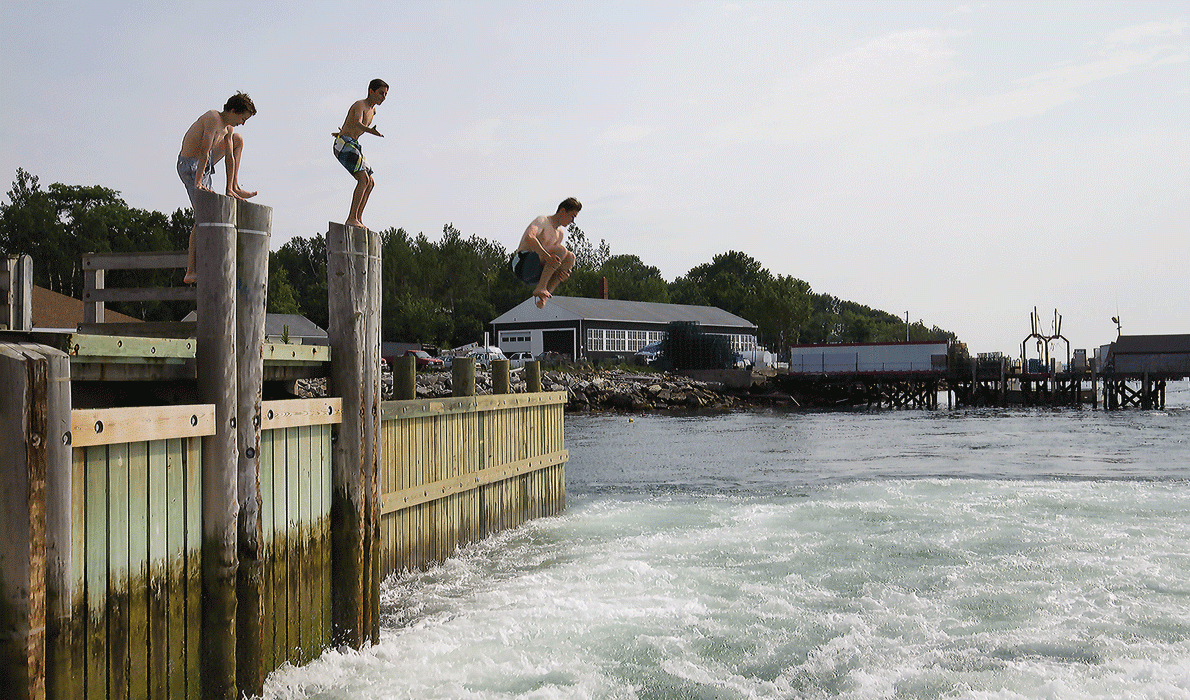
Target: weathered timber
[[348, 291], [500, 379], [16, 293], [462, 376], [253, 226], [372, 395], [215, 247], [405, 378], [533, 376], [24, 433]]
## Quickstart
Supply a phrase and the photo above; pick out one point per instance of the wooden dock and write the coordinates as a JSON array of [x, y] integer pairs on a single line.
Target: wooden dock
[[185, 549]]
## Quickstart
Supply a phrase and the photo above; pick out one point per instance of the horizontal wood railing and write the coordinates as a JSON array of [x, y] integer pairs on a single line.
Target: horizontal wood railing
[[96, 293]]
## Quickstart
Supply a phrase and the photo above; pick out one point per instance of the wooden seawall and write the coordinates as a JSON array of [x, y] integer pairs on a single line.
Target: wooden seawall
[[112, 583]]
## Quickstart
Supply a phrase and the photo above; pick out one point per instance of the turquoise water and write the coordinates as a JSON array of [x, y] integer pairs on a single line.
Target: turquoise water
[[895, 554]]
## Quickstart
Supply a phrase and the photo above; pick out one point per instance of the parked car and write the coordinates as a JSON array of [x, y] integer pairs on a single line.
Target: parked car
[[648, 354], [518, 359], [425, 360], [484, 356]]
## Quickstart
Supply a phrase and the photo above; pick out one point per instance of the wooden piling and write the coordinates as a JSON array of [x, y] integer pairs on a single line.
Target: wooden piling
[[462, 376], [64, 581], [254, 223], [533, 376], [500, 380], [23, 464], [372, 452], [405, 378], [215, 248], [352, 470], [16, 293]]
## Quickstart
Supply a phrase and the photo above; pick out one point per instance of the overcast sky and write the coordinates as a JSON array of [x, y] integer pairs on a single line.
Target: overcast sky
[[962, 162]]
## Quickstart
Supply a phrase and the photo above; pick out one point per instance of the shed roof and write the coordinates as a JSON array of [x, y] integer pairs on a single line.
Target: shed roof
[[586, 309]]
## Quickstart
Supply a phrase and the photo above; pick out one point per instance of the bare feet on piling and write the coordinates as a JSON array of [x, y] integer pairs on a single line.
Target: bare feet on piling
[[356, 223], [245, 194]]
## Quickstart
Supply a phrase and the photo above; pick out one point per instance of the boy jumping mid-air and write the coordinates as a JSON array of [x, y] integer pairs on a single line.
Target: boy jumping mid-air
[[347, 149], [540, 258], [208, 140]]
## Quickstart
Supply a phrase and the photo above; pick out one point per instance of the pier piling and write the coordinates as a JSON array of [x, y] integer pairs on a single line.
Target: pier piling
[[215, 251], [253, 226]]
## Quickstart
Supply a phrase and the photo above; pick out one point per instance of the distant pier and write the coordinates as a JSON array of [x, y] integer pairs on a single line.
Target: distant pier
[[1131, 372]]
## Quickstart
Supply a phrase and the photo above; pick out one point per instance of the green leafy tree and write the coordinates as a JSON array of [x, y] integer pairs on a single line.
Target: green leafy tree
[[283, 298], [58, 225], [785, 311], [304, 262]]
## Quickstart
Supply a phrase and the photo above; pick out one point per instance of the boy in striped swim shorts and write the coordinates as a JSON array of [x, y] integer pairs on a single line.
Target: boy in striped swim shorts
[[211, 138], [348, 151]]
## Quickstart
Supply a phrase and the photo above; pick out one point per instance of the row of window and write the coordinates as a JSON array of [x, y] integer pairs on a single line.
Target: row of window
[[606, 340]]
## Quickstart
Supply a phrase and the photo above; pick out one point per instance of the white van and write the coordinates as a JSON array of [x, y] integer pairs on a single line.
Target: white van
[[484, 356]]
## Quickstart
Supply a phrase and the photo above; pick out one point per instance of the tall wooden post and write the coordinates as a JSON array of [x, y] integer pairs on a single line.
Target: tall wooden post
[[355, 460], [16, 293], [500, 379], [462, 376], [533, 376], [254, 223], [405, 378], [64, 581], [1003, 382], [372, 395], [1094, 384], [215, 252]]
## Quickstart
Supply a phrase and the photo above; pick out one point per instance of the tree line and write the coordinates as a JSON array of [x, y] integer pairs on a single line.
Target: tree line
[[439, 292]]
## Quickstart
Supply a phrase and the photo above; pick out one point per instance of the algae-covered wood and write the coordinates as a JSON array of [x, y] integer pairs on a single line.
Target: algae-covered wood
[[458, 469]]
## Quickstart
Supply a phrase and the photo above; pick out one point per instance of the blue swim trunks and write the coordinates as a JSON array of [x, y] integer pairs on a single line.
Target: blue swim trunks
[[188, 169], [348, 152], [526, 265]]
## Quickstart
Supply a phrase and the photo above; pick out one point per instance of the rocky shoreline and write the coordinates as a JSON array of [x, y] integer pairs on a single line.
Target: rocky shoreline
[[602, 390]]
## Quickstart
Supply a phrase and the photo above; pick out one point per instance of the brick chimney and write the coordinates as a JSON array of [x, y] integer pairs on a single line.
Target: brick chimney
[[603, 288]]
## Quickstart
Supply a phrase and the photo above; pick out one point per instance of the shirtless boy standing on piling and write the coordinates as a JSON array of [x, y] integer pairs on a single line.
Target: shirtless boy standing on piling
[[540, 257], [207, 141], [347, 149]]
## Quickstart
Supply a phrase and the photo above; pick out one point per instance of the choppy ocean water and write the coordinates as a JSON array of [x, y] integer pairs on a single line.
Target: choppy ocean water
[[987, 553]]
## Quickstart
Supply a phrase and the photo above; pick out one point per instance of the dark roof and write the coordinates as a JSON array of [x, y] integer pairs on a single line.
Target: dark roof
[[1151, 344], [582, 308]]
